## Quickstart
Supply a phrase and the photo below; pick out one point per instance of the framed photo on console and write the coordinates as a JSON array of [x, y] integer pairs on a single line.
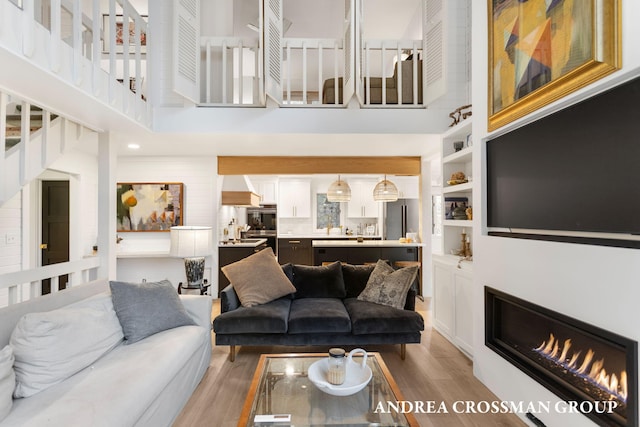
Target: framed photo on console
[[149, 206], [540, 51], [121, 33]]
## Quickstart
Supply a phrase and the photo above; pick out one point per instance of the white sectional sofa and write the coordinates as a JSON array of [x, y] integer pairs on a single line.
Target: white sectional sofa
[[146, 383]]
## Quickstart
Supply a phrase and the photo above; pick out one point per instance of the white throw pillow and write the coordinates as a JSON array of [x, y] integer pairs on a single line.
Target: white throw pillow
[[7, 381], [52, 346]]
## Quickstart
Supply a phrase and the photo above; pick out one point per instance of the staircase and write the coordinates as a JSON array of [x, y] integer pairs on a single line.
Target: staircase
[[38, 146]]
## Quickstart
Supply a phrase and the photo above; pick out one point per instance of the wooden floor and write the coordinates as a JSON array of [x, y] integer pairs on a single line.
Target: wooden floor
[[433, 370]]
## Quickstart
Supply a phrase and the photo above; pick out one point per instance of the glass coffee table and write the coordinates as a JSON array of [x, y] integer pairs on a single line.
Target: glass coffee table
[[281, 387]]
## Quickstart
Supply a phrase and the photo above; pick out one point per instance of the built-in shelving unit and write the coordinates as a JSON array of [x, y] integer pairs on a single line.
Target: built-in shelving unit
[[453, 276], [456, 161]]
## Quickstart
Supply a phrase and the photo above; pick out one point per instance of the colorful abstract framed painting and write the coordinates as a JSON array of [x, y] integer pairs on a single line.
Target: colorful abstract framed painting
[[149, 206], [542, 50]]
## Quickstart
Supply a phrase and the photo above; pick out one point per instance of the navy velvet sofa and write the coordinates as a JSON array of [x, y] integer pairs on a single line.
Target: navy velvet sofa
[[324, 310]]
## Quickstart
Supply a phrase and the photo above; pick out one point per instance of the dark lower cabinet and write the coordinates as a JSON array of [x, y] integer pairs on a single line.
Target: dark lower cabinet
[[364, 254], [295, 251], [230, 254]]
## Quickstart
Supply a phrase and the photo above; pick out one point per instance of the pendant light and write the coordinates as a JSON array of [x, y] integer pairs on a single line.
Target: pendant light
[[339, 191], [385, 191]]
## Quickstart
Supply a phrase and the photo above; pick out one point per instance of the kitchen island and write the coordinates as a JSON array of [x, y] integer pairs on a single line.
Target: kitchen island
[[365, 252]]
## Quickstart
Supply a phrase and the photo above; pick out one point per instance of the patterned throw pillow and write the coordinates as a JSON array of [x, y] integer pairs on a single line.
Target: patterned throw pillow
[[387, 286]]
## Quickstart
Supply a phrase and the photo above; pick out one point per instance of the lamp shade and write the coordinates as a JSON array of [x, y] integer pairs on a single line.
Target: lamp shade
[[339, 191], [191, 241], [385, 191]]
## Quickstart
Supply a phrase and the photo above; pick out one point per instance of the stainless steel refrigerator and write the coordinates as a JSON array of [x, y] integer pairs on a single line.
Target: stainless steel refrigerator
[[401, 217]]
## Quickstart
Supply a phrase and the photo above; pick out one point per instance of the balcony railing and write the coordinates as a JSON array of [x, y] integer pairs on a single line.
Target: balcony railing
[[86, 47]]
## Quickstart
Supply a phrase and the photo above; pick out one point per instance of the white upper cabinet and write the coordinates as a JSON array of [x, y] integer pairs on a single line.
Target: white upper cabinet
[[294, 198], [408, 186], [267, 189], [362, 204]]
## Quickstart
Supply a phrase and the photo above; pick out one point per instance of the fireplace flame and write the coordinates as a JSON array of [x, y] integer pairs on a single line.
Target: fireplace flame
[[589, 369]]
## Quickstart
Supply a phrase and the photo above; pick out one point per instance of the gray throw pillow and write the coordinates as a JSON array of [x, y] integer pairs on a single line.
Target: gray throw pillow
[[387, 286], [144, 309]]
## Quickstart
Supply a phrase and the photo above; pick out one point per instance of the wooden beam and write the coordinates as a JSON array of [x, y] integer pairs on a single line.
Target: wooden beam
[[283, 165]]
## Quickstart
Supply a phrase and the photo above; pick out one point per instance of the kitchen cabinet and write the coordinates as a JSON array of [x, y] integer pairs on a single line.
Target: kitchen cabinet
[[453, 301], [362, 204], [295, 251], [267, 189], [294, 198], [408, 186]]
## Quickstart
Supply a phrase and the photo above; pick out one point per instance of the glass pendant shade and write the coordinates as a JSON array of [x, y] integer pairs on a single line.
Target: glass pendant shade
[[339, 191], [385, 191]]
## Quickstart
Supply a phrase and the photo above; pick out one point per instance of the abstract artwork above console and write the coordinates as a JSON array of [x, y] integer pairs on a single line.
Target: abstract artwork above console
[[149, 206]]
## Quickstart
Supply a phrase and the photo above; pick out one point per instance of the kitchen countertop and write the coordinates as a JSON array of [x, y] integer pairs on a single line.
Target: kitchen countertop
[[242, 244], [325, 236], [365, 243]]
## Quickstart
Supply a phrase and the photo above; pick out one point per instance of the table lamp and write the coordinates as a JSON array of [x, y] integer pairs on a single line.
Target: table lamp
[[192, 243]]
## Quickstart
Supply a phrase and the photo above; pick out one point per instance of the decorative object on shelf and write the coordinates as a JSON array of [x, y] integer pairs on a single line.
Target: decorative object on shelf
[[469, 141], [465, 248], [458, 145], [457, 178], [469, 213], [540, 61], [192, 243], [451, 203], [460, 212], [385, 191], [458, 115], [148, 206], [339, 191], [120, 34]]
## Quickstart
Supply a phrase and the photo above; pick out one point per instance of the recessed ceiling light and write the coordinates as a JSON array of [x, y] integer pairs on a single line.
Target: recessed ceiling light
[[133, 146]]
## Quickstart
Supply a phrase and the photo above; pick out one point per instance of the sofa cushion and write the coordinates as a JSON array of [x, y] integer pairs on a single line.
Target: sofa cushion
[[319, 281], [310, 315], [258, 278], [51, 346], [147, 308], [355, 278], [388, 286], [262, 319], [7, 381], [371, 318], [121, 388]]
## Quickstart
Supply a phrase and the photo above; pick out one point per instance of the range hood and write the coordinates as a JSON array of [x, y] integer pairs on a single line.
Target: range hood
[[237, 190]]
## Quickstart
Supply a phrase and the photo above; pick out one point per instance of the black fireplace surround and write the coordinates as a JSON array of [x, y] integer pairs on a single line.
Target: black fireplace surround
[[577, 361]]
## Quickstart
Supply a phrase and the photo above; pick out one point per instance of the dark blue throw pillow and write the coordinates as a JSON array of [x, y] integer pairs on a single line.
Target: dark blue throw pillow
[[319, 282]]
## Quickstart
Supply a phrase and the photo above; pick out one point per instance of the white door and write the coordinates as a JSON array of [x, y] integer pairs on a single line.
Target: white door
[[433, 41], [273, 49], [186, 49]]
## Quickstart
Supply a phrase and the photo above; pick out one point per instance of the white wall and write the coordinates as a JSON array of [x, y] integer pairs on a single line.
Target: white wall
[[198, 174], [594, 284], [10, 240]]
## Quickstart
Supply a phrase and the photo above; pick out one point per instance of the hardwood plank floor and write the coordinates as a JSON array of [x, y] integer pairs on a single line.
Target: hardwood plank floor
[[433, 370]]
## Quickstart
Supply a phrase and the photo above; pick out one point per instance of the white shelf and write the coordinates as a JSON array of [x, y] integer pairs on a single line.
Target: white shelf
[[458, 223], [462, 156], [462, 129], [467, 186]]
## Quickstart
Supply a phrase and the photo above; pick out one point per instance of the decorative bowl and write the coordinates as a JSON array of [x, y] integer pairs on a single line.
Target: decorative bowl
[[357, 377]]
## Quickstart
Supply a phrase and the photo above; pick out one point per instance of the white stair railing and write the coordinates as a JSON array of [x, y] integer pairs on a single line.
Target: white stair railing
[[20, 286], [36, 150]]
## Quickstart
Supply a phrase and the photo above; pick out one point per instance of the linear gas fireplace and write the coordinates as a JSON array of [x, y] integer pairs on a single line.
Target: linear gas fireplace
[[594, 369]]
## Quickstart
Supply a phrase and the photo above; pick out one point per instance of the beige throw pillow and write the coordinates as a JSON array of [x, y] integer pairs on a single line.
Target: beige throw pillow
[[387, 286], [258, 278]]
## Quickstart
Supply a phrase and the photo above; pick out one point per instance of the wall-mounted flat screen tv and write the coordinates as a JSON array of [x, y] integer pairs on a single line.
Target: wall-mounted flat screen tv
[[576, 170]]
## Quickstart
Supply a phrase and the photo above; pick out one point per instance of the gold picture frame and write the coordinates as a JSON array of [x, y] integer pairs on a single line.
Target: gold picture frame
[[541, 51]]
